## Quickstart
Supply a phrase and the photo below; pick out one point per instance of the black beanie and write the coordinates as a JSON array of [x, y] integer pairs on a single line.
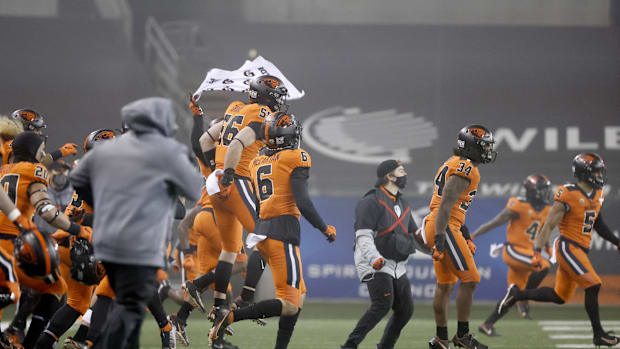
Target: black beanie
[[384, 168], [25, 146]]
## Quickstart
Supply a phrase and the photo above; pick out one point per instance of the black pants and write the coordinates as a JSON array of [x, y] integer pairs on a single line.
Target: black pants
[[385, 293], [134, 286]]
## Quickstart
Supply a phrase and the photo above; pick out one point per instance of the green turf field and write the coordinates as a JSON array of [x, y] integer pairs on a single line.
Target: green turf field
[[326, 325]]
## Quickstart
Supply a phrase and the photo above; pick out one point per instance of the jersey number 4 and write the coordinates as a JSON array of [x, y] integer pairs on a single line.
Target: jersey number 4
[[265, 184], [9, 185], [532, 230]]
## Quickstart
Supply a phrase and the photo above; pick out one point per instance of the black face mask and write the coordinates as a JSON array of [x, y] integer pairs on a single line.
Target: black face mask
[[401, 182]]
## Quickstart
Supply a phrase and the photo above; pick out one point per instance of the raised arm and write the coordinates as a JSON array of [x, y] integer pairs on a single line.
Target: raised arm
[[502, 218]]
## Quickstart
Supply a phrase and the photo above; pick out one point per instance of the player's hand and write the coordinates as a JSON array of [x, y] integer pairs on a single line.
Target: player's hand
[[86, 233], [438, 255], [194, 106], [378, 263], [330, 233], [227, 177], [440, 247], [537, 259], [68, 149], [75, 214], [24, 224], [472, 247]]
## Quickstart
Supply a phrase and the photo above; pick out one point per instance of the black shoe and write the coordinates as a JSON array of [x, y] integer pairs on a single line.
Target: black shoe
[[180, 329], [509, 299], [15, 335], [223, 344], [191, 294], [468, 341], [489, 331], [5, 343], [524, 310], [222, 317], [436, 343], [607, 339], [168, 337]]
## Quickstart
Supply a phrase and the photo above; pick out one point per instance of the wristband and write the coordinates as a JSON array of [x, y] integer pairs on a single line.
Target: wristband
[[14, 214], [74, 229], [537, 249]]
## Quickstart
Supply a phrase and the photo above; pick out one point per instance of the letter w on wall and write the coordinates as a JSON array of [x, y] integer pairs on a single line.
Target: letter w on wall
[[514, 143]]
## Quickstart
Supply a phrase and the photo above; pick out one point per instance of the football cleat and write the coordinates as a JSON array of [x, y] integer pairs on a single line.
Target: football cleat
[[168, 336], [489, 330], [191, 294], [71, 343], [524, 310], [222, 318], [179, 329], [15, 335], [607, 339], [5, 343], [436, 343], [223, 344], [509, 299], [468, 341]]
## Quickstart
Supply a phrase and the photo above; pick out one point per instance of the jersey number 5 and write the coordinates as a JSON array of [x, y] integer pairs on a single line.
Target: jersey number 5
[[588, 221], [9, 185], [265, 184]]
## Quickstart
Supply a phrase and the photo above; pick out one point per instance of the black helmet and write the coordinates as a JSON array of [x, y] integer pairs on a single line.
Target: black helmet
[[96, 136], [537, 188], [268, 90], [37, 255], [84, 267], [31, 119], [475, 142], [590, 168], [281, 131]]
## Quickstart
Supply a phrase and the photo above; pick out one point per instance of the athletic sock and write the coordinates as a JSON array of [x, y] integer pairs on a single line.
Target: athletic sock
[[462, 329], [60, 322], [223, 270], [41, 315], [536, 278], [80, 335], [591, 303], [98, 320], [158, 311], [205, 281], [541, 294], [285, 330], [255, 268], [260, 310], [442, 332], [183, 313], [492, 319]]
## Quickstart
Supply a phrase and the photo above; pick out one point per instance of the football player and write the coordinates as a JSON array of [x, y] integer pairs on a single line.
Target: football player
[[33, 121], [235, 140], [525, 217], [576, 211], [280, 179], [456, 184], [24, 179], [79, 293]]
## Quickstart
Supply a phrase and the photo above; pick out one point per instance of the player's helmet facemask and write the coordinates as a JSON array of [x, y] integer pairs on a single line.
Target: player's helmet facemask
[[37, 255], [281, 131], [537, 189], [25, 147], [590, 168], [97, 136], [268, 90], [476, 142]]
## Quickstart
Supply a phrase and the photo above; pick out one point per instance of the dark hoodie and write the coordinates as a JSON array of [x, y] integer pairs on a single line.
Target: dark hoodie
[[134, 180]]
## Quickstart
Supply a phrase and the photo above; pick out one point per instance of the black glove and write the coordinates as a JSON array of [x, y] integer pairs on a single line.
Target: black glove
[[228, 176]]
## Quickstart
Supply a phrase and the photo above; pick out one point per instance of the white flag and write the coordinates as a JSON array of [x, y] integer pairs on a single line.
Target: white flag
[[239, 80]]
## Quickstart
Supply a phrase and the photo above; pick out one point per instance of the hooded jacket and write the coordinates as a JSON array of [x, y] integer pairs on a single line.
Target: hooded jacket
[[134, 181]]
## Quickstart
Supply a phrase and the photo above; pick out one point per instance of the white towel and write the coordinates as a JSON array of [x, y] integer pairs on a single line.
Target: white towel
[[239, 80], [213, 187], [253, 239]]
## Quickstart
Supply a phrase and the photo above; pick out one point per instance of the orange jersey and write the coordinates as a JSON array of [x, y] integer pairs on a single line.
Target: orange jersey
[[237, 117], [461, 167], [581, 212], [78, 203], [5, 151], [522, 230], [15, 180], [205, 171], [271, 176]]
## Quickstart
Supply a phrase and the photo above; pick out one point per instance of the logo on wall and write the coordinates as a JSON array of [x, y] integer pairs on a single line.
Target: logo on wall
[[349, 134]]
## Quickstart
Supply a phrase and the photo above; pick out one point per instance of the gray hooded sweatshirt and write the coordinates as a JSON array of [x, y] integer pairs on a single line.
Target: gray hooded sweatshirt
[[134, 180]]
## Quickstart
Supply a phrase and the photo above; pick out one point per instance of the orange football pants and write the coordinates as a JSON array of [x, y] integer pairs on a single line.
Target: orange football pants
[[458, 263], [78, 294], [234, 213], [519, 261], [574, 269], [285, 263]]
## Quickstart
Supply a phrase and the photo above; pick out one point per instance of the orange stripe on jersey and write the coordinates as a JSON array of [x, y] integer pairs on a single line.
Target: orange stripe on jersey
[[461, 167], [237, 117], [522, 230], [581, 211], [15, 180], [271, 176]]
